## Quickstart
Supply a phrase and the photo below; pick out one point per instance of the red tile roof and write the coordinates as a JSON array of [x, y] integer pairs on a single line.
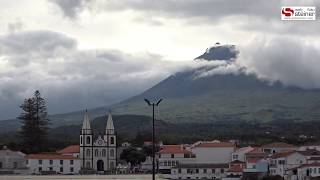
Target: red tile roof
[[282, 154], [50, 156], [253, 160], [173, 149], [235, 169], [215, 144], [278, 145], [70, 149]]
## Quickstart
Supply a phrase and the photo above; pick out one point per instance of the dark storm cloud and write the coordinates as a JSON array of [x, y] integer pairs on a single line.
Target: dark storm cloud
[[71, 79]]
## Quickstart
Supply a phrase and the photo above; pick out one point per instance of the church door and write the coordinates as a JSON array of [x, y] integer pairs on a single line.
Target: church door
[[100, 165]]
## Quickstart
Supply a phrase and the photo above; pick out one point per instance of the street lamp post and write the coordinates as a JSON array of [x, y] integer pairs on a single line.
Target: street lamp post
[[153, 135]]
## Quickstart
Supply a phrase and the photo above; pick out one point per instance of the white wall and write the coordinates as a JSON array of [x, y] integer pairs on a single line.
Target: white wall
[[34, 166], [213, 155]]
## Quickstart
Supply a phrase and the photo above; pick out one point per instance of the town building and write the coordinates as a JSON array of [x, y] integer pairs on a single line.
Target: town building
[[281, 162], [172, 155], [199, 171], [213, 152], [12, 162], [277, 147], [98, 155], [52, 164]]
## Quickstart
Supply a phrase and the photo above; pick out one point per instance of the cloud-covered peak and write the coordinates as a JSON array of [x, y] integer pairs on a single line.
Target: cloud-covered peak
[[220, 52]]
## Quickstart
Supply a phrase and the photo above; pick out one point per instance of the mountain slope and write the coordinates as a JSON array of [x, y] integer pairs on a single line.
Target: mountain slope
[[226, 96], [213, 97]]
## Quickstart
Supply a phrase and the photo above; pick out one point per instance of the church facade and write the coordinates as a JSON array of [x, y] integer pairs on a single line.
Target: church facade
[[98, 154]]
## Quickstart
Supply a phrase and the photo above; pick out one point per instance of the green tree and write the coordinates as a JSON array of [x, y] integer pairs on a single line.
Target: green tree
[[133, 156], [34, 129]]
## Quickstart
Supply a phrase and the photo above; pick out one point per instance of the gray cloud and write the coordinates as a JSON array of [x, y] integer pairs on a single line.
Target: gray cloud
[[71, 79], [70, 8], [291, 61]]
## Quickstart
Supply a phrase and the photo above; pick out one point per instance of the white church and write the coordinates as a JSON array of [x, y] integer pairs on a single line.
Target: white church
[[100, 154]]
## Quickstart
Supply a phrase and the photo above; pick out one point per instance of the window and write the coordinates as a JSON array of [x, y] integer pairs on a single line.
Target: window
[[71, 169], [88, 152], [111, 164], [165, 163], [50, 161], [40, 169], [111, 140], [40, 161], [61, 169], [204, 171], [222, 170], [189, 171], [319, 170], [186, 156], [96, 153], [26, 162], [88, 140], [197, 171], [71, 162], [111, 152], [15, 165], [172, 155], [103, 153], [0, 165], [235, 156], [169, 163], [81, 140], [213, 171], [179, 171], [315, 170], [88, 164], [173, 163], [61, 162], [50, 168]]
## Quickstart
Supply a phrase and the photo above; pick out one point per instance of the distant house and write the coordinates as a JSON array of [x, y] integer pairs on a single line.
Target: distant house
[[308, 171], [172, 155], [12, 162], [199, 171], [281, 162], [277, 147], [239, 153], [53, 164]]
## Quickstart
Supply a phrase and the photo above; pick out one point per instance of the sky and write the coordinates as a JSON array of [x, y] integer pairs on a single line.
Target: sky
[[88, 53]]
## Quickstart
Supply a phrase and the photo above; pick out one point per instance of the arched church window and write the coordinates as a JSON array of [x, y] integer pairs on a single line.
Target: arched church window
[[96, 153], [88, 140], [112, 152], [111, 140], [88, 152], [103, 152]]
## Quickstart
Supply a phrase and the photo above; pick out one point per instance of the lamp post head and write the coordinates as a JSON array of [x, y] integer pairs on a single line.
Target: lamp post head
[[147, 101]]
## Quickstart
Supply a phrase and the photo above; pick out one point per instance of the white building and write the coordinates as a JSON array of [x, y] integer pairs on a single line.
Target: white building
[[199, 171], [240, 153], [173, 155], [12, 162], [306, 171], [214, 152], [101, 154], [281, 162], [277, 147], [52, 164]]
